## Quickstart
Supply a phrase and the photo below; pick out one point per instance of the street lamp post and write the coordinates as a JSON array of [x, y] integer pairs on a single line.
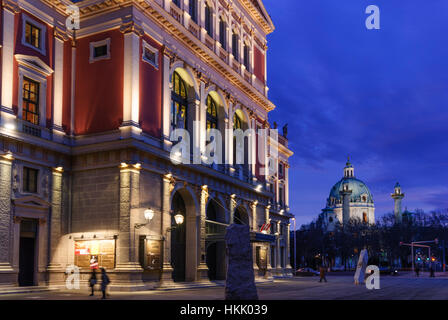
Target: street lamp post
[[295, 244], [148, 214]]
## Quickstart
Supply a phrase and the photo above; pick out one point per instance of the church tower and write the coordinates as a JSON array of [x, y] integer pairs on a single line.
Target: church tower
[[397, 196], [349, 171]]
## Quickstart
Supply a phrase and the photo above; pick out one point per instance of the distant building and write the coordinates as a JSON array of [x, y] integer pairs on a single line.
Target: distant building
[[349, 198]]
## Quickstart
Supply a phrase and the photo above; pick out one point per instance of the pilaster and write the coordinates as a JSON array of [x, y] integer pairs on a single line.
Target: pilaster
[[55, 267], [8, 276], [131, 79]]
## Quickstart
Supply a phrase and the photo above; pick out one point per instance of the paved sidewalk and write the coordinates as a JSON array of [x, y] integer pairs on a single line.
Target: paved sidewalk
[[306, 288]]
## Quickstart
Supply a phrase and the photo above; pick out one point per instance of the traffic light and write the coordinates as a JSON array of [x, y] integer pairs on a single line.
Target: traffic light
[[433, 259]]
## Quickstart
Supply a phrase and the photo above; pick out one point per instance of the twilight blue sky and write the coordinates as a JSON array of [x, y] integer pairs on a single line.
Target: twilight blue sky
[[380, 96]]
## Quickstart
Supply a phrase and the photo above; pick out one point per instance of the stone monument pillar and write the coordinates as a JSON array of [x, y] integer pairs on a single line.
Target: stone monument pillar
[[240, 280]]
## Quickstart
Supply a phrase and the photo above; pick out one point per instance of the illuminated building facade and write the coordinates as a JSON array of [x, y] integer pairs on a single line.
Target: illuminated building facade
[[85, 121]]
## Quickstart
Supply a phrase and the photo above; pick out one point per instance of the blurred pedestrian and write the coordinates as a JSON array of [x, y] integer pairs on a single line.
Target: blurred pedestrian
[[417, 271], [104, 282], [431, 271], [322, 274], [92, 281]]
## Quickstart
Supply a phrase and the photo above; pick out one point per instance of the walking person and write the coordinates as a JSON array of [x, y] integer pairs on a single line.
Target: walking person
[[431, 271], [417, 271], [104, 282], [322, 274], [92, 281]]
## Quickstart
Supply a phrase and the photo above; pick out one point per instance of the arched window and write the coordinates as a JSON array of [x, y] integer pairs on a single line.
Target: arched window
[[223, 33], [179, 103], [212, 114], [235, 51], [246, 56], [237, 124], [208, 20], [193, 10]]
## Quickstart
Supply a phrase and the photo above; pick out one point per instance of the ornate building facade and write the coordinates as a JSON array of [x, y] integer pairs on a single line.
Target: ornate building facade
[[85, 123]]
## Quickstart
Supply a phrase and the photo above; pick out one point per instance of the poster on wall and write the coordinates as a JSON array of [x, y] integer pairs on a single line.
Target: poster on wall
[[94, 254], [153, 254], [262, 260]]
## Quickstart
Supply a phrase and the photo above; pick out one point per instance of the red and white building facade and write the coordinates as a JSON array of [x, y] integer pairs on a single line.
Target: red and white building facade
[[85, 121]]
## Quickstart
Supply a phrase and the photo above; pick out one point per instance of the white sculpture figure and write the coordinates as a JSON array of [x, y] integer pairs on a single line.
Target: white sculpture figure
[[361, 267]]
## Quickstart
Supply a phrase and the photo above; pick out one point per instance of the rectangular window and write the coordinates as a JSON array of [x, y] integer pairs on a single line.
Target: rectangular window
[[150, 54], [209, 20], [30, 96], [30, 180], [280, 169], [235, 51], [280, 196], [33, 35], [222, 33], [194, 10], [99, 50], [246, 56]]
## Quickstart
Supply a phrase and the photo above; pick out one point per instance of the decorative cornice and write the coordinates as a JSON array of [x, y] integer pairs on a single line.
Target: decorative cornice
[[131, 26], [60, 34], [168, 52], [11, 6]]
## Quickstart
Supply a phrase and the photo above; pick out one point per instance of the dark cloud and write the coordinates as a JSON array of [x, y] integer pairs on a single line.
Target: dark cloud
[[380, 96]]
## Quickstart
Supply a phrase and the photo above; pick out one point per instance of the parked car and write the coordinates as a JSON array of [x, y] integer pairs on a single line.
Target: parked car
[[306, 272], [338, 268], [387, 270]]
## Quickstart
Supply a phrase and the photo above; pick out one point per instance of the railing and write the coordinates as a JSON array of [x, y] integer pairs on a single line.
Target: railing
[[209, 42], [247, 76], [223, 54], [194, 28], [215, 228], [236, 66], [176, 12]]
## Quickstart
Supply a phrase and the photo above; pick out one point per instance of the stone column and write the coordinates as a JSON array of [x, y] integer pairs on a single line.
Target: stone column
[[128, 269], [8, 276], [10, 8], [268, 274], [278, 265], [253, 208], [202, 271], [166, 99], [55, 268], [58, 76], [288, 251], [131, 76], [166, 278], [232, 204]]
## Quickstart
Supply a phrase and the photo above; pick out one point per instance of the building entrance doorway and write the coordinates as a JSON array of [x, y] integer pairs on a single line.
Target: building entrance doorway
[[27, 252], [178, 239]]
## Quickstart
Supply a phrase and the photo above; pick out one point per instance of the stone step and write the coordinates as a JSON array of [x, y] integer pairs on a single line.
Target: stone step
[[16, 290]]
